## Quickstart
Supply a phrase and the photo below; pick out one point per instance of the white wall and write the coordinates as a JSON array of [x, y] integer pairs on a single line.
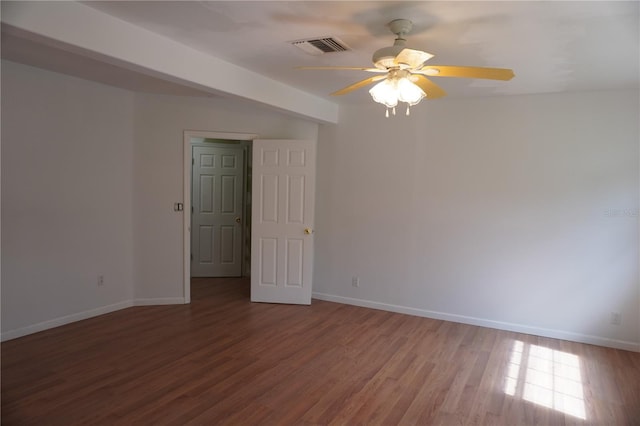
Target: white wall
[[89, 177], [518, 213], [160, 123], [67, 198]]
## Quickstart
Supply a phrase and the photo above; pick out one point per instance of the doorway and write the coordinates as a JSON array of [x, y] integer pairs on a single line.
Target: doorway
[[280, 240], [218, 208], [230, 231]]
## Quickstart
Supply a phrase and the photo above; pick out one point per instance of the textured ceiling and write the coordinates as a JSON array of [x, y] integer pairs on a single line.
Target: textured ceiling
[[551, 46]]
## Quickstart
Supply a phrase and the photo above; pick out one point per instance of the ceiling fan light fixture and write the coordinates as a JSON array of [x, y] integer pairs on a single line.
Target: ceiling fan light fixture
[[397, 88]]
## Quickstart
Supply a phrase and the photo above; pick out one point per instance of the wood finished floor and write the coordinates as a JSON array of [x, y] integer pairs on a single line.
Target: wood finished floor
[[224, 360]]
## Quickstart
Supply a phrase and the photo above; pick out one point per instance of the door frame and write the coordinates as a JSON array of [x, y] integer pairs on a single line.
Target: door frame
[[186, 189]]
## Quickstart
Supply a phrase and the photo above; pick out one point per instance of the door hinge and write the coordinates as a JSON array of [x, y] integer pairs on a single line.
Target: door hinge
[[191, 209], [192, 257], [193, 161]]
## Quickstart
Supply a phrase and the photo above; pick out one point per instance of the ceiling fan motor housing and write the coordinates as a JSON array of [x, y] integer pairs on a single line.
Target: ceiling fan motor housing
[[383, 58]]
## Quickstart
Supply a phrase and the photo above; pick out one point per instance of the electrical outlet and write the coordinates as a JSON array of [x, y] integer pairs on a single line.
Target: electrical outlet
[[100, 280], [616, 318], [355, 282]]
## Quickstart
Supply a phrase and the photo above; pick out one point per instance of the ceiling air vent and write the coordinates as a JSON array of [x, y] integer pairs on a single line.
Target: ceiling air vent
[[321, 45]]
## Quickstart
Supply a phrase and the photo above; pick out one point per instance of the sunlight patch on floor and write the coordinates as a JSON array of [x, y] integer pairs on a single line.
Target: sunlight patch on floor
[[546, 377]]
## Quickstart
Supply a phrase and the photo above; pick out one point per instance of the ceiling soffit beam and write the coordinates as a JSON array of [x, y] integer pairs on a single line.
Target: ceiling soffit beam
[[81, 29]]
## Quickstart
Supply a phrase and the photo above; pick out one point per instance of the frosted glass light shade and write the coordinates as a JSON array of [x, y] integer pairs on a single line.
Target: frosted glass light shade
[[391, 90], [409, 92], [385, 93]]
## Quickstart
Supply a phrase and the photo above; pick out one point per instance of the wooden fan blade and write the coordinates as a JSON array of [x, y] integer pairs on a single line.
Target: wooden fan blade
[[432, 90], [413, 58], [343, 68], [359, 84], [467, 72]]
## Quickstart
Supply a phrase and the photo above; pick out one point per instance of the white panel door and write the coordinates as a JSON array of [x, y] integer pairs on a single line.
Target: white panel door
[[216, 222], [283, 187]]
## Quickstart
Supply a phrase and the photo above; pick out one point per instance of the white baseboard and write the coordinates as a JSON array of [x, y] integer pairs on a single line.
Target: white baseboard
[[518, 328], [67, 319], [159, 301]]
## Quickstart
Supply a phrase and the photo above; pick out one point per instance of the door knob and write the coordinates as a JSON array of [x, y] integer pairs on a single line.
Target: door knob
[[238, 219], [308, 231]]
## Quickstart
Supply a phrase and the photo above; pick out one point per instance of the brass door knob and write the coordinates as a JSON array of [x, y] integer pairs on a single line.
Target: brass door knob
[[238, 219], [308, 231]]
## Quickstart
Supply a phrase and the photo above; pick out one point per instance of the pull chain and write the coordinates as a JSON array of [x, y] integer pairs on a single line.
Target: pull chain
[[393, 111]]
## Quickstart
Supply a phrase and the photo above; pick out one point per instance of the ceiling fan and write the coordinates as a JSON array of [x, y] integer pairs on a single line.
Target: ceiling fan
[[403, 73]]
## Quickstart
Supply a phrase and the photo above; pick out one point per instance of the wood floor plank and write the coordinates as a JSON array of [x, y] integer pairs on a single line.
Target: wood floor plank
[[224, 360]]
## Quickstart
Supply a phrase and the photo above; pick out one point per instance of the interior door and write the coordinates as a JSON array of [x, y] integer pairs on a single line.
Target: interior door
[[283, 187], [216, 222]]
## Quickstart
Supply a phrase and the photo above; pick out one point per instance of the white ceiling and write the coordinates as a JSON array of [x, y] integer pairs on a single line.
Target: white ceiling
[[551, 46]]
